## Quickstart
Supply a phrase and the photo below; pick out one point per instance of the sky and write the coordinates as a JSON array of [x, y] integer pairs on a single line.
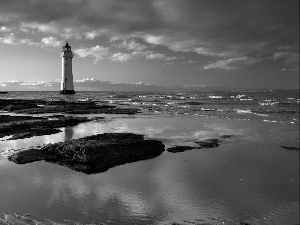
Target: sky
[[144, 43]]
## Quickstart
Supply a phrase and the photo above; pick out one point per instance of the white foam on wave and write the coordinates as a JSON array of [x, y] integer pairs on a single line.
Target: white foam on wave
[[270, 121], [215, 96], [246, 99], [207, 109], [268, 103], [242, 110], [261, 114]]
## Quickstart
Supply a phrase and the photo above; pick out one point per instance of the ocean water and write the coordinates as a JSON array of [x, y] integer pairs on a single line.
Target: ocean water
[[248, 178], [267, 106]]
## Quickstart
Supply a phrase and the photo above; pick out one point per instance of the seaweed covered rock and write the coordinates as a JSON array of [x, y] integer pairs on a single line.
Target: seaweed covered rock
[[108, 146], [95, 153]]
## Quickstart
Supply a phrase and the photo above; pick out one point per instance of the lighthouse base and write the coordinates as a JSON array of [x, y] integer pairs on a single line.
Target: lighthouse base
[[67, 92]]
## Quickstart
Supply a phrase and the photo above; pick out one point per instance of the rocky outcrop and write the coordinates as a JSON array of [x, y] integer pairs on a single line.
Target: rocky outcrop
[[30, 155], [35, 126], [208, 143], [61, 106], [8, 118], [95, 153]]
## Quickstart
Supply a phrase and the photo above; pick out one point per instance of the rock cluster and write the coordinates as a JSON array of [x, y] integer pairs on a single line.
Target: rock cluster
[[39, 106]]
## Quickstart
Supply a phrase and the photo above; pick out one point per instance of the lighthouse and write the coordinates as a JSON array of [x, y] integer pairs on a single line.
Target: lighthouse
[[67, 86]]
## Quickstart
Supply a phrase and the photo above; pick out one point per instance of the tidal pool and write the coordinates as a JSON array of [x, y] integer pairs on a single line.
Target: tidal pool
[[248, 178]]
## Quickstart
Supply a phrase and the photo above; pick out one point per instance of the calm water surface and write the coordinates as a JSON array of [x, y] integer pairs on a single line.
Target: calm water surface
[[249, 178]]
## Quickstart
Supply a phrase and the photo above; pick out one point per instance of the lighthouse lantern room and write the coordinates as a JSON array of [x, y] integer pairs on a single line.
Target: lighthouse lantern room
[[67, 86]]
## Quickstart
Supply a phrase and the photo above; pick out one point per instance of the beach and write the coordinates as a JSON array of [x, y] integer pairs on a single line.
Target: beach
[[250, 177]]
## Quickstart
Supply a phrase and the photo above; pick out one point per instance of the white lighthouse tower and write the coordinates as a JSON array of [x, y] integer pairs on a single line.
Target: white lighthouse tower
[[67, 86]]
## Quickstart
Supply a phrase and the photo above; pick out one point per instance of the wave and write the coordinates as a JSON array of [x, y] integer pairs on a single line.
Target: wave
[[268, 103], [207, 109], [242, 111], [261, 114], [246, 99], [215, 96]]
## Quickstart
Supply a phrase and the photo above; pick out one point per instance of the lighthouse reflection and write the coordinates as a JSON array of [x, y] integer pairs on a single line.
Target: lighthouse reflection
[[69, 133]]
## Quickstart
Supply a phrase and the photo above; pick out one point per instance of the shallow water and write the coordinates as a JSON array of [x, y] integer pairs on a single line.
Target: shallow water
[[266, 106], [249, 178]]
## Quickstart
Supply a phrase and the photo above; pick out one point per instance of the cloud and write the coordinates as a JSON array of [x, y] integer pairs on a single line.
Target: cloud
[[174, 43], [232, 63], [124, 57], [8, 39], [11, 39], [156, 56], [207, 28], [95, 33], [189, 62], [131, 45], [86, 80], [211, 52], [171, 58], [121, 57], [140, 83], [45, 28], [5, 29], [28, 84], [55, 28], [289, 59], [52, 42], [97, 52], [167, 63]]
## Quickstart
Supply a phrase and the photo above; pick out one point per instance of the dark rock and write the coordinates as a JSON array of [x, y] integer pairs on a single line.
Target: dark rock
[[61, 106], [8, 118], [15, 107], [37, 127], [95, 153], [13, 104], [290, 148], [225, 136], [176, 149], [34, 132], [103, 147], [30, 155], [194, 103], [209, 143]]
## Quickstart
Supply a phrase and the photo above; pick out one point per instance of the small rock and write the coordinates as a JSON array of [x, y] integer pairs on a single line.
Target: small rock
[[290, 148], [209, 143], [176, 149]]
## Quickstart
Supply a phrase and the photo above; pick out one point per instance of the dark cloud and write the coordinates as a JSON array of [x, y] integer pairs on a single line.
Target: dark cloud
[[212, 28]]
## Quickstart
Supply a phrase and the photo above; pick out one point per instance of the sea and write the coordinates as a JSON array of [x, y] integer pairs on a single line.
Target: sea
[[251, 178]]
